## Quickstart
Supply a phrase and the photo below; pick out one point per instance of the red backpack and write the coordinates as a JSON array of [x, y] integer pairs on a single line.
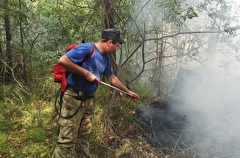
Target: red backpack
[[60, 74]]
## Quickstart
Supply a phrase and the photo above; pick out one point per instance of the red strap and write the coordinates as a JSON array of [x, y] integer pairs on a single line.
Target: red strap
[[64, 83], [71, 47]]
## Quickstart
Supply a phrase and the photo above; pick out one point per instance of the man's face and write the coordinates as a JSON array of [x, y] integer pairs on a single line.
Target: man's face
[[112, 48]]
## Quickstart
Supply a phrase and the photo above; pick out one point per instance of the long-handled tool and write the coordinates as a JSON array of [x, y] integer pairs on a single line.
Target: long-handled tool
[[117, 89]]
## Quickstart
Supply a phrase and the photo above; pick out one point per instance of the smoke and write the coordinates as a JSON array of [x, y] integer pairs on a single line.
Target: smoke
[[206, 108], [212, 108], [207, 96]]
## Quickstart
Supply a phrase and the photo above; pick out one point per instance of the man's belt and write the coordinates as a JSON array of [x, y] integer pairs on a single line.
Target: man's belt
[[79, 93]]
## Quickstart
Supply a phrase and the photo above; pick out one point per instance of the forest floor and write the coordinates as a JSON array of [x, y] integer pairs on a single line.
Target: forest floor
[[123, 130]]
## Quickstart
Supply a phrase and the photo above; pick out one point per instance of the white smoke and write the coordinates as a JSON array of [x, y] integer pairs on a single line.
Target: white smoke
[[212, 107], [213, 113], [212, 103]]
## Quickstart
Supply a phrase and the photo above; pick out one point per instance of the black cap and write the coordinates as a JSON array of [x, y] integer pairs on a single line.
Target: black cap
[[112, 34]]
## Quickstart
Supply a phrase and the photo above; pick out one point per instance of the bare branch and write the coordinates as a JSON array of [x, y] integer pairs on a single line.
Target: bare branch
[[167, 36], [12, 72]]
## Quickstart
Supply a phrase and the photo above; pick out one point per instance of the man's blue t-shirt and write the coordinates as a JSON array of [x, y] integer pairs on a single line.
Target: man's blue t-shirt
[[98, 64]]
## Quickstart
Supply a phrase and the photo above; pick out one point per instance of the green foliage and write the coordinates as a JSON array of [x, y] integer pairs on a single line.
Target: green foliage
[[3, 125], [6, 110], [47, 89], [143, 90], [32, 118], [191, 13], [174, 10], [3, 142], [97, 130], [43, 84], [37, 114], [3, 138], [20, 95], [15, 94], [35, 150], [46, 58], [38, 134]]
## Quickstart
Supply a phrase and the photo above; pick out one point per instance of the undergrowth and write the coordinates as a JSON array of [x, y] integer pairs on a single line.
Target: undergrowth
[[28, 121], [28, 127]]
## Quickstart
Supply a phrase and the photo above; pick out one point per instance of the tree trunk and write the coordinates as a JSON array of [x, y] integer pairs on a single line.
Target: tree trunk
[[9, 57], [1, 57], [21, 68], [109, 23]]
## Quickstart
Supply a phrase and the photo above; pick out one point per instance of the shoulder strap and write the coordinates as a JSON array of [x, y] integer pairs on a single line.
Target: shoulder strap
[[89, 55]]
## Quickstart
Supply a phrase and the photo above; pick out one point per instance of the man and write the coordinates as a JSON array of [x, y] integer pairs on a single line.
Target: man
[[77, 101]]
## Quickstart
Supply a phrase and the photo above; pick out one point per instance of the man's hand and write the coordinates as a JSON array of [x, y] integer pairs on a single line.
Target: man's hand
[[91, 77], [134, 95], [97, 80]]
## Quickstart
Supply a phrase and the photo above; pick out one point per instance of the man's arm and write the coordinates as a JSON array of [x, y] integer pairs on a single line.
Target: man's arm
[[66, 63], [113, 80]]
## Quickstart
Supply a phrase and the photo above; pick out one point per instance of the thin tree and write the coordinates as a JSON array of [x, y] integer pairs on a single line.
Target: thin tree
[[9, 56]]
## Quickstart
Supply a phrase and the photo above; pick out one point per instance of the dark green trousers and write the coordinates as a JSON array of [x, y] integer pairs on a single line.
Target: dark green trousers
[[73, 139]]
